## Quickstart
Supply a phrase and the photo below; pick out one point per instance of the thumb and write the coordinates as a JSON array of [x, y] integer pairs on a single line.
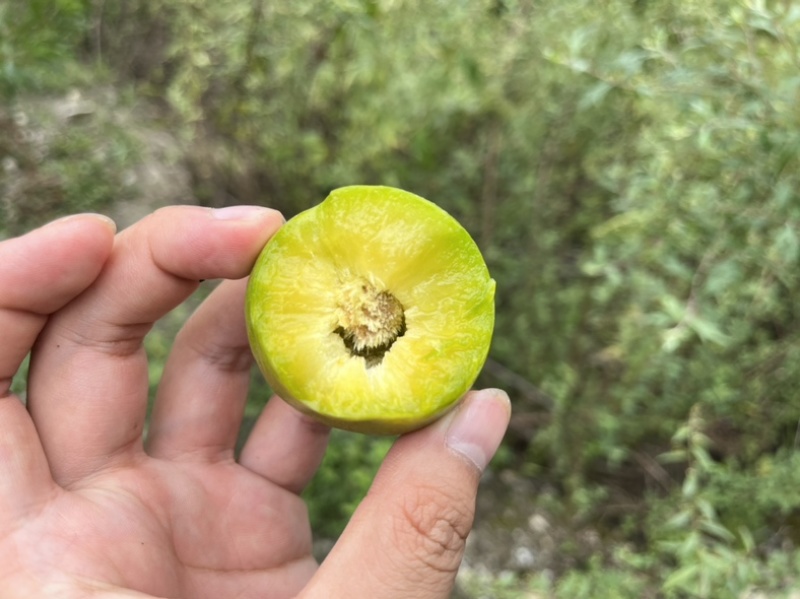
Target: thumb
[[407, 537]]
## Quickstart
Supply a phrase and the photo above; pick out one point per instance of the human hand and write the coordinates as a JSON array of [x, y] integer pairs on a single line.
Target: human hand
[[88, 509]]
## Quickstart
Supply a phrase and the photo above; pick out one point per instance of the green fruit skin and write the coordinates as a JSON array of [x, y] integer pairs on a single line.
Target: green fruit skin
[[423, 257]]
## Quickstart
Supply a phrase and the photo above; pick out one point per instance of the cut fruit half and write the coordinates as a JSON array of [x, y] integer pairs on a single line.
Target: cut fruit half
[[372, 311]]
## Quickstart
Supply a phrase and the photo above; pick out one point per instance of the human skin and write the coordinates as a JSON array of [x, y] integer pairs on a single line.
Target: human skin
[[90, 508]]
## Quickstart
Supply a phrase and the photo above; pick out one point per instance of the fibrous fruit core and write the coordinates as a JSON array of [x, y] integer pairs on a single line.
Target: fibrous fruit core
[[369, 320]]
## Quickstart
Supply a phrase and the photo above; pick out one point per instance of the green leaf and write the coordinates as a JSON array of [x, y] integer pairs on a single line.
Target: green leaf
[[681, 519], [708, 331], [684, 578]]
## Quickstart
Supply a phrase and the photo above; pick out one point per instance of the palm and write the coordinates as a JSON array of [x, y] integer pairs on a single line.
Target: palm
[[158, 528]]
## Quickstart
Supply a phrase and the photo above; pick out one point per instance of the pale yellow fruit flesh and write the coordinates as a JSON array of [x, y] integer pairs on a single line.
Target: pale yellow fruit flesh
[[378, 239]]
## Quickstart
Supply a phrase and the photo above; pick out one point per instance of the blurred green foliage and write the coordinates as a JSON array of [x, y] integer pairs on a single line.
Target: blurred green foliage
[[61, 158], [40, 42], [630, 170]]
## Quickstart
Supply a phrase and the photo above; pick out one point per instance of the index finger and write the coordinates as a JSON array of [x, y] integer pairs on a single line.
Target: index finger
[[89, 374]]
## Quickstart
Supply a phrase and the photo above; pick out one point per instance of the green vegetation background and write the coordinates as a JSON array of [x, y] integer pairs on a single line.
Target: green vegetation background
[[628, 167]]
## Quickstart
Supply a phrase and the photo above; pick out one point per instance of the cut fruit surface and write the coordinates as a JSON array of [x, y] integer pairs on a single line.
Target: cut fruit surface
[[373, 310]]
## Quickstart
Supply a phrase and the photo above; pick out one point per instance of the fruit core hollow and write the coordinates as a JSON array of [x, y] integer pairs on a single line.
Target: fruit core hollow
[[369, 320]]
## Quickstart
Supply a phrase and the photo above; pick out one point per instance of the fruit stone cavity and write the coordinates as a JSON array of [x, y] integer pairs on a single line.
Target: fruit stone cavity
[[369, 320]]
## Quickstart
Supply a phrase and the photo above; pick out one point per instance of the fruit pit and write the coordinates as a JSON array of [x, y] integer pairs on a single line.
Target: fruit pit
[[369, 321]]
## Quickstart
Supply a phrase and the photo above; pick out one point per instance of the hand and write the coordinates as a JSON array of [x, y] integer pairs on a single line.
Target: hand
[[87, 509]]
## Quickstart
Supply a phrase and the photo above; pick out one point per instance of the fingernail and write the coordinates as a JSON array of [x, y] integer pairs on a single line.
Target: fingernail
[[239, 212], [100, 217], [478, 425]]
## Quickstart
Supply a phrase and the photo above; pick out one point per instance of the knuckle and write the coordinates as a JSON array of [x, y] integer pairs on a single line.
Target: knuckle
[[225, 358], [108, 339], [432, 527]]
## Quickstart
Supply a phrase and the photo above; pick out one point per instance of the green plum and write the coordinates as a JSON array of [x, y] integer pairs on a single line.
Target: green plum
[[372, 311]]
